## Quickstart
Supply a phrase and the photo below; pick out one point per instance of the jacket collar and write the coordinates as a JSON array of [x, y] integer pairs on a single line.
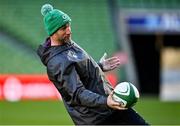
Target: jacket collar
[[46, 51]]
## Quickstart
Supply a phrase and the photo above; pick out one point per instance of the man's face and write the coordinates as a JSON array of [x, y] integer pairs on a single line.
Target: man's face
[[64, 33]]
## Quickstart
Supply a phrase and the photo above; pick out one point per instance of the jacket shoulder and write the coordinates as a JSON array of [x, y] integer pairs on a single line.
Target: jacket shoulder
[[58, 64]]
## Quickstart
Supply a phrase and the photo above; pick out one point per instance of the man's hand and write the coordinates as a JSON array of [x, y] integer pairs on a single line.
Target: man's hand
[[109, 63], [112, 104]]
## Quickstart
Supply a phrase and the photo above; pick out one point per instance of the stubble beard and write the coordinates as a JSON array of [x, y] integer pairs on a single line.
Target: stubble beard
[[65, 40]]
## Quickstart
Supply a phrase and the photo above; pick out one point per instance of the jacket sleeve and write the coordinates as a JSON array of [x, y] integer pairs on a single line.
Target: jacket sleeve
[[100, 65], [74, 92]]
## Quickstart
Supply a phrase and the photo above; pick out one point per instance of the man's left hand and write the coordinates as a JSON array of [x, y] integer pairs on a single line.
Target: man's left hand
[[109, 63]]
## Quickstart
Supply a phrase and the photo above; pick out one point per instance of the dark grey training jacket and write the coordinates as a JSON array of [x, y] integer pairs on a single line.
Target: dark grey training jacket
[[80, 81]]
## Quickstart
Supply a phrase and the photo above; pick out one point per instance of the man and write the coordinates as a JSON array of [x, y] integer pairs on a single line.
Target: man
[[86, 94]]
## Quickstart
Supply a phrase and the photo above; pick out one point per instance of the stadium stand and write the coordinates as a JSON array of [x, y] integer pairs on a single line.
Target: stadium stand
[[22, 21], [149, 4]]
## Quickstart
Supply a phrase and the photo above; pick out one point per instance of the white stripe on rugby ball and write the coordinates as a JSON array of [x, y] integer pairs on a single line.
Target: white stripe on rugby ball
[[123, 88]]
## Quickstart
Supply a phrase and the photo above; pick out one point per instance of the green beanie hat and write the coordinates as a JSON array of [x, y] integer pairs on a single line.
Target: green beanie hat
[[53, 18]]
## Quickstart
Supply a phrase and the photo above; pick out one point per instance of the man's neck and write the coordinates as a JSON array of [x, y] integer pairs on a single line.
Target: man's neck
[[55, 43]]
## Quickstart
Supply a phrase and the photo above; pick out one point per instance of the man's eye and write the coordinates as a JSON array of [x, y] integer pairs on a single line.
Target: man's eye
[[63, 28]]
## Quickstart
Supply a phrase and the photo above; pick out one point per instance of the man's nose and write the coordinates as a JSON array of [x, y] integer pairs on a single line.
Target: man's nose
[[68, 30]]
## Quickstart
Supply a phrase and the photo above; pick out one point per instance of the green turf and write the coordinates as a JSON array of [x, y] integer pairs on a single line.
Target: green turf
[[157, 112], [54, 113], [30, 113]]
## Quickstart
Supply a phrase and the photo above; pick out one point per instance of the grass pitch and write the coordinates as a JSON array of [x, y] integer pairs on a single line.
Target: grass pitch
[[54, 113]]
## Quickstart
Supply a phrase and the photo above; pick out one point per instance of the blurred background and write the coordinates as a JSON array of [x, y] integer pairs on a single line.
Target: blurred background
[[145, 34]]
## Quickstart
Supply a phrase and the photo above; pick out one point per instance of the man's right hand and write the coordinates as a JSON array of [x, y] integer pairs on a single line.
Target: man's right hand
[[113, 104]]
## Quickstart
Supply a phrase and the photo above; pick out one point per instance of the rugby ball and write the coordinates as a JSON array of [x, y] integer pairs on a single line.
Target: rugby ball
[[126, 94]]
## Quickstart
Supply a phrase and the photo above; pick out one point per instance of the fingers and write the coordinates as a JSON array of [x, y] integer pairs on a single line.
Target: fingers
[[103, 57], [113, 104], [113, 66], [110, 63], [117, 105], [113, 60], [119, 108]]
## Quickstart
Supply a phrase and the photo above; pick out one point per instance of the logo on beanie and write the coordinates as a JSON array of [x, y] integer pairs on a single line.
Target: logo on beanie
[[64, 16]]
